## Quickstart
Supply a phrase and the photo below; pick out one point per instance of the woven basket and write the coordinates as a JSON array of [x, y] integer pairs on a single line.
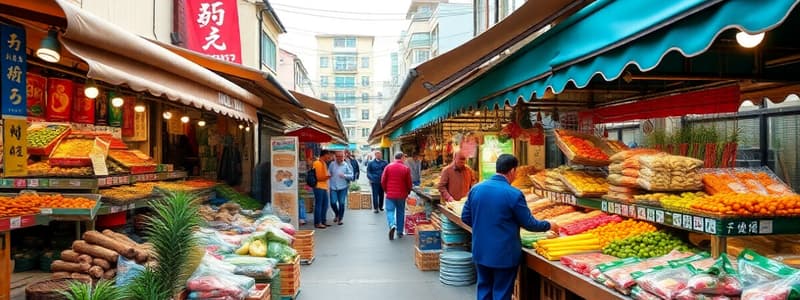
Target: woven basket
[[49, 289]]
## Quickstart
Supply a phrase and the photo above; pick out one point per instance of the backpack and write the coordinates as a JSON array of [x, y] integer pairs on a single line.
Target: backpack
[[311, 178]]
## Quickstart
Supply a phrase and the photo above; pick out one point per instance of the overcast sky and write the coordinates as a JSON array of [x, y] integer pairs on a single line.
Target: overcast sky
[[384, 19]]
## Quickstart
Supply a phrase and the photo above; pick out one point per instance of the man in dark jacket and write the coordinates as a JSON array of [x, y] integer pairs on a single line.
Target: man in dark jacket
[[396, 181], [374, 173], [495, 210], [353, 163]]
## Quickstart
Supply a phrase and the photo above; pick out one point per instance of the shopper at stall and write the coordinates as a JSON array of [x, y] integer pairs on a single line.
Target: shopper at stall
[[457, 178], [321, 189], [495, 210], [374, 172], [415, 164], [396, 181], [341, 175]]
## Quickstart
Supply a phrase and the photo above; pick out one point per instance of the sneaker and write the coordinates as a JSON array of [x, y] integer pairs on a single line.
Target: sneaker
[[375, 211], [335, 220], [391, 233], [381, 209], [399, 235]]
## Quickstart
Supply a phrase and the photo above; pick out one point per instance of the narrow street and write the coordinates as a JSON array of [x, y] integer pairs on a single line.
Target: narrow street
[[357, 261]]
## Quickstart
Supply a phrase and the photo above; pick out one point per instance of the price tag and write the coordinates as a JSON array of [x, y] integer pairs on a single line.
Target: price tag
[[573, 200], [101, 182], [125, 180], [46, 211], [33, 183], [660, 216], [20, 183], [642, 213], [711, 226], [624, 210], [697, 223], [687, 221], [651, 215], [676, 220], [75, 182], [44, 182], [16, 222], [765, 227], [7, 183], [115, 209], [114, 180], [604, 206], [617, 208]]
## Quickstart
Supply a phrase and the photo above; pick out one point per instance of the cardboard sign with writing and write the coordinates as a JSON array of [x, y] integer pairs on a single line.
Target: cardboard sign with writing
[[15, 147], [83, 108], [98, 156], [60, 93], [36, 85]]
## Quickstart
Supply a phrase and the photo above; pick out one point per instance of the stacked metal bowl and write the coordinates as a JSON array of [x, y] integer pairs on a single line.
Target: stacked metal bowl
[[456, 268]]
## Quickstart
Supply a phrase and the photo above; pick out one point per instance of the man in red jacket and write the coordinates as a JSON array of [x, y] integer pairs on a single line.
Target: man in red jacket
[[396, 182]]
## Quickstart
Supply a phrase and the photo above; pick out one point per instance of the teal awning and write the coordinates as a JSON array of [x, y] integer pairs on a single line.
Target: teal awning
[[603, 39]]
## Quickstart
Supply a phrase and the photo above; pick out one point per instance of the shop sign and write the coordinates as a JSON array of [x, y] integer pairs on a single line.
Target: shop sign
[[212, 28], [490, 150], [83, 108], [230, 102], [128, 117], [60, 93], [283, 174], [36, 85], [15, 148], [14, 66]]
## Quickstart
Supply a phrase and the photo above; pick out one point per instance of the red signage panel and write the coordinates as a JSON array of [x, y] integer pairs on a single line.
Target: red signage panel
[[212, 28]]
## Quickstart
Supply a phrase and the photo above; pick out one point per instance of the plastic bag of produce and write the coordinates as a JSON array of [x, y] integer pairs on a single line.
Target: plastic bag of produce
[[623, 155], [274, 234], [687, 294], [584, 263], [621, 180], [664, 281], [755, 269], [700, 261], [216, 277], [720, 279], [622, 278], [282, 252], [640, 294], [606, 272], [782, 289], [256, 267], [214, 242], [127, 270]]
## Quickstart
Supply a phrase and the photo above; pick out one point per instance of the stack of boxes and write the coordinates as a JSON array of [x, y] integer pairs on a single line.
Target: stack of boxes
[[428, 248]]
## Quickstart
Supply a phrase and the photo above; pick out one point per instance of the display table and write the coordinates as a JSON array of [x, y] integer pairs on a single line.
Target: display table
[[563, 276], [453, 217], [426, 196]]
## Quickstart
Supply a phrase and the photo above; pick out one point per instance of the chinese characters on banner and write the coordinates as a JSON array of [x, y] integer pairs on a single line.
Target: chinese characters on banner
[[15, 147], [13, 64], [212, 28]]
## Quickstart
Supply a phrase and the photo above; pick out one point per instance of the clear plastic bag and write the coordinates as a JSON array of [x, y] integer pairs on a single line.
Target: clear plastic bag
[[783, 289], [127, 270], [720, 279], [282, 252], [664, 281], [217, 277], [755, 269], [214, 242], [640, 294], [688, 295]]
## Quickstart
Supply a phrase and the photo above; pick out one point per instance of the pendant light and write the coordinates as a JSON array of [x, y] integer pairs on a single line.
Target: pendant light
[[201, 123], [117, 100], [247, 128], [139, 108], [167, 115], [749, 40], [241, 126], [50, 48], [185, 119], [90, 90]]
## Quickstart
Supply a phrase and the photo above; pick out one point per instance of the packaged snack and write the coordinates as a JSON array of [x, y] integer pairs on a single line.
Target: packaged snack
[[640, 294], [601, 272], [755, 269], [783, 289], [585, 262], [687, 294], [720, 279], [664, 281]]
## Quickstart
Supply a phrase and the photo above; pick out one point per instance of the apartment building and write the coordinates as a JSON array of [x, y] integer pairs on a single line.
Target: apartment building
[[346, 69], [292, 74], [490, 12]]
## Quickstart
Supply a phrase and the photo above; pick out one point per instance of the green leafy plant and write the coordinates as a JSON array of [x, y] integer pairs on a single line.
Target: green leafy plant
[[104, 290], [354, 187], [175, 247]]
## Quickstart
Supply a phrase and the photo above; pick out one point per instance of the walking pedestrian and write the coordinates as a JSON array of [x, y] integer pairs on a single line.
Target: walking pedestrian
[[415, 164], [495, 210], [321, 190], [374, 172], [351, 159], [341, 175], [457, 178], [396, 181]]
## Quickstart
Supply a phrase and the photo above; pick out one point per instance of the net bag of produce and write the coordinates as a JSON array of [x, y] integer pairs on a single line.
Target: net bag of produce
[[720, 279], [664, 281]]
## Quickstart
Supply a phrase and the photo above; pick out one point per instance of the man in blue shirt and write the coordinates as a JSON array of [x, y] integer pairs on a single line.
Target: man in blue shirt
[[341, 175], [374, 173], [495, 210]]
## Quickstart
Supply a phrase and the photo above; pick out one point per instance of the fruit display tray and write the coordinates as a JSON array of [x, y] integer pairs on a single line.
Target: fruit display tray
[[46, 150], [576, 157], [69, 161]]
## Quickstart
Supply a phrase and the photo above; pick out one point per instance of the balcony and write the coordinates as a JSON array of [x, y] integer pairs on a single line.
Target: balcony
[[345, 69]]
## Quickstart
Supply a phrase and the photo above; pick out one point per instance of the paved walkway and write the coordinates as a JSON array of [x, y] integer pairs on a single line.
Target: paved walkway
[[357, 261]]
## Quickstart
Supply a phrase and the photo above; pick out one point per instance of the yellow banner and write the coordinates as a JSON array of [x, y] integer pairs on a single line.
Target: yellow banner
[[15, 147]]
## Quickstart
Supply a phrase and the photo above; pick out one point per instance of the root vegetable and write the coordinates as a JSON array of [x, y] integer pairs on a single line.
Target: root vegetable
[[100, 239], [110, 274], [81, 246], [85, 259], [70, 256], [81, 276], [101, 263], [96, 272], [59, 275], [62, 266], [120, 237]]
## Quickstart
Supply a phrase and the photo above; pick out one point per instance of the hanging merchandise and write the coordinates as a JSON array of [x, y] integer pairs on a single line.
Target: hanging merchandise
[[83, 108], [230, 165], [60, 93], [36, 85], [114, 112], [101, 109], [537, 135], [128, 117]]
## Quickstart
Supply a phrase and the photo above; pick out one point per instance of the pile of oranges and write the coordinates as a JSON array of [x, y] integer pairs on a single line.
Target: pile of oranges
[[28, 204], [620, 231], [584, 148], [750, 204]]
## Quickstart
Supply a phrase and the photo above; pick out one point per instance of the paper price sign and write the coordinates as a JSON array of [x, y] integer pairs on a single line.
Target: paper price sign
[[15, 147], [651, 215], [604, 206], [46, 211], [16, 222], [698, 223], [660, 216], [676, 219], [687, 222], [642, 213], [711, 226]]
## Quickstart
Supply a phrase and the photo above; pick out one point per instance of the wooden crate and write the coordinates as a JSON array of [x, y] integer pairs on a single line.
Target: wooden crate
[[260, 292], [426, 260], [304, 244], [365, 199], [290, 278], [551, 291], [354, 200]]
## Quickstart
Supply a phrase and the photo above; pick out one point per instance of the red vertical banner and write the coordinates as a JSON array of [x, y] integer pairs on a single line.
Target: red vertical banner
[[83, 108], [212, 28], [128, 117], [36, 86], [60, 93]]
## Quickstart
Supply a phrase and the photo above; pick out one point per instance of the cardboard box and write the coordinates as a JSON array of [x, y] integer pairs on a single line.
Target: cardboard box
[[428, 238]]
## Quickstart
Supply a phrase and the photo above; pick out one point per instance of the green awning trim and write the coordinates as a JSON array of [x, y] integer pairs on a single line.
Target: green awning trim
[[603, 39]]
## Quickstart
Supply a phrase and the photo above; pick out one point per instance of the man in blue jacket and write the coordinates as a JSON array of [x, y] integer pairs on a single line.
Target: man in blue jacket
[[374, 173], [495, 210]]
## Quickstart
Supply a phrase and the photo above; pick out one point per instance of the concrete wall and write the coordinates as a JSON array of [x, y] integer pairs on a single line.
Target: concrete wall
[[455, 25]]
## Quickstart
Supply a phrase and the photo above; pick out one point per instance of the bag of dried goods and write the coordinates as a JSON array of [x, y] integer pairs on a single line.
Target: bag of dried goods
[[585, 262], [623, 155], [755, 269], [640, 294], [621, 180]]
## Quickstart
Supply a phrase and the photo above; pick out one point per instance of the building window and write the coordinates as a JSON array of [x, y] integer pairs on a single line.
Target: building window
[[420, 56], [365, 114], [346, 114], [365, 62], [344, 82], [344, 42], [323, 62], [351, 131], [323, 95], [269, 54], [364, 132], [344, 63], [345, 98], [420, 39], [481, 19], [364, 80], [364, 97], [323, 81]]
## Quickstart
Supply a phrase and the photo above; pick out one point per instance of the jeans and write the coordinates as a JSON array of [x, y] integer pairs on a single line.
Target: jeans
[[301, 209], [320, 206], [377, 195], [495, 283], [416, 182], [396, 214], [338, 202]]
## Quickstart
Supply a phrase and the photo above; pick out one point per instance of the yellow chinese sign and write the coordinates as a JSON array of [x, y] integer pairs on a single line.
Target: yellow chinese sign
[[15, 148]]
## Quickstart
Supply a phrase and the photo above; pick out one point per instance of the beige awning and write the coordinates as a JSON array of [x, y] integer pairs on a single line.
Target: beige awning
[[322, 115], [119, 57]]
